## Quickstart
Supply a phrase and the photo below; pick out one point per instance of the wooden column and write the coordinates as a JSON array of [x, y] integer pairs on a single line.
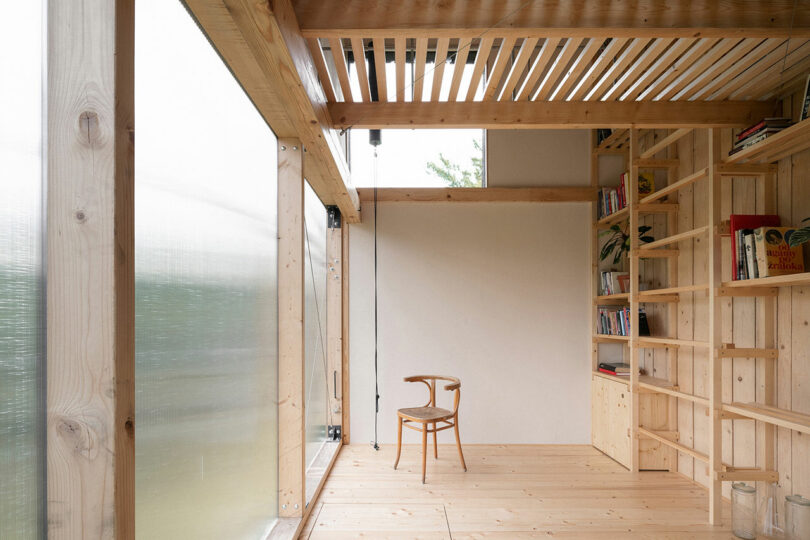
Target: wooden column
[[634, 288], [766, 336], [672, 315], [291, 414], [344, 306], [90, 248], [334, 314], [595, 280], [715, 332]]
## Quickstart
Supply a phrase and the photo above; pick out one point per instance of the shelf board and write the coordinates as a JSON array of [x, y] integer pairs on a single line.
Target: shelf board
[[607, 338], [771, 415], [623, 380], [672, 239], [679, 447], [675, 186], [653, 293], [661, 386], [615, 217], [620, 298], [647, 379], [618, 139], [779, 145], [673, 342], [666, 141], [775, 281]]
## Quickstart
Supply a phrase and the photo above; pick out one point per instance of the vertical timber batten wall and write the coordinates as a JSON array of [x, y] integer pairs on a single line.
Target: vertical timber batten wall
[[90, 269]]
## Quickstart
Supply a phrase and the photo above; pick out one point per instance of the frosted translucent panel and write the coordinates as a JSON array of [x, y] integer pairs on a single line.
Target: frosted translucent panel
[[316, 397], [206, 300], [22, 316]]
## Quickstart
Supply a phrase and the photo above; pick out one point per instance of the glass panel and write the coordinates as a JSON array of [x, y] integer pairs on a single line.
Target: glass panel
[[434, 158], [22, 314], [316, 397], [206, 304]]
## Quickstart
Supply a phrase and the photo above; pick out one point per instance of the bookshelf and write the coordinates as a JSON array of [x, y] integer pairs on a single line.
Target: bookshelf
[[715, 295], [785, 143]]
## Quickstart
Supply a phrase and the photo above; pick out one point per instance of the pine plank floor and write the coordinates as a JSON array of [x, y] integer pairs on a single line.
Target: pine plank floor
[[509, 492]]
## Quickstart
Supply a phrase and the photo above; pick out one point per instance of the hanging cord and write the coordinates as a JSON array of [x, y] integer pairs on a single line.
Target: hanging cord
[[320, 334], [376, 377]]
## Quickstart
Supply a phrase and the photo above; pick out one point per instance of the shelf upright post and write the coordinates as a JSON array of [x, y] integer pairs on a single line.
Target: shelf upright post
[[594, 250], [634, 288], [715, 332], [767, 194], [672, 314]]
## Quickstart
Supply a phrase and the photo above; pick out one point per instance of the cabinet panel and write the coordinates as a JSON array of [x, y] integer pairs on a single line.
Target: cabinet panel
[[610, 418]]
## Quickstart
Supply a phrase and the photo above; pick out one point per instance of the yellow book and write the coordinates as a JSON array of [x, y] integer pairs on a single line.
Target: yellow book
[[774, 256], [646, 183]]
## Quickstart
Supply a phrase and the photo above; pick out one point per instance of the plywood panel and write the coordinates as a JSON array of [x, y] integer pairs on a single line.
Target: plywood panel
[[610, 418]]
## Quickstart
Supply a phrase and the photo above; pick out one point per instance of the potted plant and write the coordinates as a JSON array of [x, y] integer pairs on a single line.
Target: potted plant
[[800, 236], [618, 242]]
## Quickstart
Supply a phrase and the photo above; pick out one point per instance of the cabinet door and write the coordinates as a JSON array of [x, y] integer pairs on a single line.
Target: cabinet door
[[610, 418]]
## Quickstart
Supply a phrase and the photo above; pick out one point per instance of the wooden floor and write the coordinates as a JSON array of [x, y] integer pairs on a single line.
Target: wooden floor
[[509, 492]]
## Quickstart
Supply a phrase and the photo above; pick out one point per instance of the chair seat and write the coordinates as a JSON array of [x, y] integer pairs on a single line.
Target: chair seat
[[425, 414]]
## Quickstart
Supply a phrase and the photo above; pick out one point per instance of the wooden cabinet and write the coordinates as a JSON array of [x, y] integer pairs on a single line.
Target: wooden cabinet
[[610, 418]]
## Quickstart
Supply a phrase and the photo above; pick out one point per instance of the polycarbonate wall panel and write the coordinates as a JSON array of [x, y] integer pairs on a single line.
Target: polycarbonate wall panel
[[206, 377], [315, 376], [22, 313]]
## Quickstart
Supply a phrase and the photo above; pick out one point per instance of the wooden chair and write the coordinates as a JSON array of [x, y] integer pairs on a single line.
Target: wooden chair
[[430, 414]]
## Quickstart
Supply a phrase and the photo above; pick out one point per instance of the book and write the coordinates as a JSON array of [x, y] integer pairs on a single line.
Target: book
[[603, 370], [778, 122], [612, 282], [750, 255], [616, 368], [805, 114], [738, 222], [646, 183], [774, 256]]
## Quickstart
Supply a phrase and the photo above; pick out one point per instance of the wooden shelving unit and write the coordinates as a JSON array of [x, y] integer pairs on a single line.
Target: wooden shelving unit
[[756, 162], [788, 141]]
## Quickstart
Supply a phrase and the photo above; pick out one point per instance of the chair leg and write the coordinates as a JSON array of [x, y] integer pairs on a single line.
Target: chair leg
[[399, 443], [435, 444], [458, 443], [424, 450]]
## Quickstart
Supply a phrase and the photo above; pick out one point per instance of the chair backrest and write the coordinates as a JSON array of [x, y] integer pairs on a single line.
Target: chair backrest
[[430, 381]]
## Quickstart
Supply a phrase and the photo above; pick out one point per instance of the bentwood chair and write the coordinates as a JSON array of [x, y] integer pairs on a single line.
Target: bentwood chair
[[430, 415]]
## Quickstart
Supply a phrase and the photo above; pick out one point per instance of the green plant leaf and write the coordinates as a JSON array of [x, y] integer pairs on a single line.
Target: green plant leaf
[[799, 237]]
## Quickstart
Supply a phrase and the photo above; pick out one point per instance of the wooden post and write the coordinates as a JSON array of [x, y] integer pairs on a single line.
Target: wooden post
[[595, 281], [291, 414], [334, 314], [715, 332], [91, 273], [767, 333], [344, 305], [634, 288], [672, 317]]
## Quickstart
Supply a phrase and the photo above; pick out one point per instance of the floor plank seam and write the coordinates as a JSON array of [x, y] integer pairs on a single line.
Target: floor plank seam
[[449, 532]]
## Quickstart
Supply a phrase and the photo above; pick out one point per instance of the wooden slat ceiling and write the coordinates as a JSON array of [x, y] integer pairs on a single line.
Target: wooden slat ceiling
[[508, 67]]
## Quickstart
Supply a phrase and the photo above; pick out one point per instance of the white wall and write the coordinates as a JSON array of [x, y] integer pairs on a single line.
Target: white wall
[[496, 294], [544, 157]]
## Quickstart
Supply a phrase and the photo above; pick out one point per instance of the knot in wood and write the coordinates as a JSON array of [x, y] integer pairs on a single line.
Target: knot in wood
[[89, 126]]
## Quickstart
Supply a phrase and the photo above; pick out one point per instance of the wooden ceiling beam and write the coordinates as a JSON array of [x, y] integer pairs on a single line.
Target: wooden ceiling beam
[[549, 114], [263, 47], [556, 18], [469, 195]]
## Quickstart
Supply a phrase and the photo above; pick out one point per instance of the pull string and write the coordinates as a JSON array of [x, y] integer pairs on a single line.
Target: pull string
[[438, 63], [320, 334], [376, 371]]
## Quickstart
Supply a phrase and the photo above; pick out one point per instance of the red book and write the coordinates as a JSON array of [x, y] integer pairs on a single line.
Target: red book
[[749, 130], [747, 221]]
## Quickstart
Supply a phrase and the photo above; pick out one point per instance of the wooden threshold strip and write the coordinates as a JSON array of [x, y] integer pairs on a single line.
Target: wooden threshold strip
[[537, 194], [675, 186], [666, 141], [771, 415], [674, 238], [672, 444], [658, 389]]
